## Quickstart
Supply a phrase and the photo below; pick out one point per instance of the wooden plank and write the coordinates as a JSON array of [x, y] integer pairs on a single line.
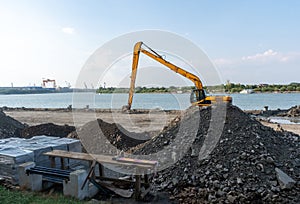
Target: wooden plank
[[104, 159], [121, 192], [146, 178], [52, 162], [62, 162], [137, 191], [118, 180], [135, 161], [70, 155], [101, 170], [91, 172]]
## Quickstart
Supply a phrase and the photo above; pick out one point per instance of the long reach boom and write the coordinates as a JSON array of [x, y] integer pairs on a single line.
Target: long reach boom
[[198, 96]]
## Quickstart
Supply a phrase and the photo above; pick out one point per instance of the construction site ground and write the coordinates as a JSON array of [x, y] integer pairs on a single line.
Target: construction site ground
[[248, 163], [64, 117]]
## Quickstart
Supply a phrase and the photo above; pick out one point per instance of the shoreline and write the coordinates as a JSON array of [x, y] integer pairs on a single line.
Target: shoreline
[[186, 92]]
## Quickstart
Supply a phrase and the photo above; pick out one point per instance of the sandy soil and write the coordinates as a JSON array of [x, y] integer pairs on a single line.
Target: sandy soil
[[140, 122]]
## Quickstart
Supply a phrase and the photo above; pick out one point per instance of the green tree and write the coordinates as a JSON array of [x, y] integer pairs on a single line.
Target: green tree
[[282, 89], [290, 88], [257, 89]]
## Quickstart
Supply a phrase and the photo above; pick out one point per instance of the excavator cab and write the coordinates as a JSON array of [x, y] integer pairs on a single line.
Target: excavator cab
[[198, 97]]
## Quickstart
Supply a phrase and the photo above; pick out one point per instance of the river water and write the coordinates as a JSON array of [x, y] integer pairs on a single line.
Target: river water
[[148, 101]]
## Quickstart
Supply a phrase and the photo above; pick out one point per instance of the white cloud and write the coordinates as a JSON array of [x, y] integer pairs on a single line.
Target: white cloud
[[269, 66], [269, 56], [261, 56], [68, 30]]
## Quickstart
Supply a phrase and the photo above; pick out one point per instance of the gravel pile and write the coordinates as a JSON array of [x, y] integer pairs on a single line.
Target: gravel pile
[[9, 127], [91, 133], [48, 129], [250, 163]]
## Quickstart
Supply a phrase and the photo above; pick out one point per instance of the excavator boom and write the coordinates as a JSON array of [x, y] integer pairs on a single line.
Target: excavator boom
[[199, 94]]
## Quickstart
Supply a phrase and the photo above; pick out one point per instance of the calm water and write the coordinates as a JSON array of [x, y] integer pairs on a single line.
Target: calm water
[[148, 101]]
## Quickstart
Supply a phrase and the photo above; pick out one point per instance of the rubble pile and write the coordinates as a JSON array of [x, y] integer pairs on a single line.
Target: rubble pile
[[292, 112], [250, 163], [49, 129], [114, 133], [9, 127]]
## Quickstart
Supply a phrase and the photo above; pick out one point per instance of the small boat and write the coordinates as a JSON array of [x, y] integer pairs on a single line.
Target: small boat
[[247, 91]]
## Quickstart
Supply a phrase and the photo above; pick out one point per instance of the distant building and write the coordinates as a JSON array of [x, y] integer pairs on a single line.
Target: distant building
[[263, 85]]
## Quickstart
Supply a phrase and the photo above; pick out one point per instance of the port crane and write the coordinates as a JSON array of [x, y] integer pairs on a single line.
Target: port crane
[[46, 81]]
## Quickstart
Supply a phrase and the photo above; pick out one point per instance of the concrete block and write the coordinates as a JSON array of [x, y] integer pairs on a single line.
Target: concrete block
[[32, 181], [23, 177], [92, 190], [73, 187], [36, 182]]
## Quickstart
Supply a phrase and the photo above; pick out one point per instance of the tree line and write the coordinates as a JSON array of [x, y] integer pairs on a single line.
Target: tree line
[[228, 88], [234, 88]]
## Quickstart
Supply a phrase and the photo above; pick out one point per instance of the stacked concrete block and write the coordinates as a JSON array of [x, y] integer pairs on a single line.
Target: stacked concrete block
[[10, 159], [38, 151], [15, 151], [72, 146]]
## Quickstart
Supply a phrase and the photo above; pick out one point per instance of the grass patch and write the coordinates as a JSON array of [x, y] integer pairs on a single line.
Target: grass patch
[[23, 197]]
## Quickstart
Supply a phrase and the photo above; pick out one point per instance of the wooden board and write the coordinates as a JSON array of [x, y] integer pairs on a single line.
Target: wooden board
[[103, 159], [136, 161]]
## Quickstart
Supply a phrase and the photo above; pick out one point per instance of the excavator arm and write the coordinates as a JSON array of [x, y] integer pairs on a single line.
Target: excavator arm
[[199, 94]]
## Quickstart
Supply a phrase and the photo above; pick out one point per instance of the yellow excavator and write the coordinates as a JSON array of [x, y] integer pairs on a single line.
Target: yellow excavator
[[198, 96]]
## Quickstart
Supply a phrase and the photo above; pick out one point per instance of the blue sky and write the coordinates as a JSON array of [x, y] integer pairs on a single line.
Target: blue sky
[[249, 41]]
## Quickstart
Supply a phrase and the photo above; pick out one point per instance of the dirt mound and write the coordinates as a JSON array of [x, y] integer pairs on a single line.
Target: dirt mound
[[90, 135], [9, 127], [245, 166], [48, 129]]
